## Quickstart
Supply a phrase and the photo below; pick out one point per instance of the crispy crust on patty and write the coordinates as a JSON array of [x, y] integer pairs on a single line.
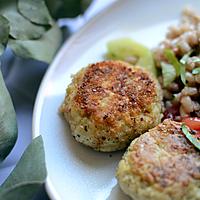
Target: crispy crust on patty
[[126, 89], [111, 102], [163, 162]]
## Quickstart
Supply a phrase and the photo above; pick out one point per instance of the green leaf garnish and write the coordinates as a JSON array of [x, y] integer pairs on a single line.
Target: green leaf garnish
[[185, 58], [183, 74], [28, 175], [196, 71], [4, 33], [125, 48], [8, 124], [36, 11], [169, 54], [43, 49], [190, 137], [180, 68], [194, 60], [168, 72]]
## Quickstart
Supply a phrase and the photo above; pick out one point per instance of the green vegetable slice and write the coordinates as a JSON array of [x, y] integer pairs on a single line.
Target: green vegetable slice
[[190, 137], [4, 33], [8, 123], [196, 71], [28, 175], [169, 54], [36, 11], [168, 72], [126, 49]]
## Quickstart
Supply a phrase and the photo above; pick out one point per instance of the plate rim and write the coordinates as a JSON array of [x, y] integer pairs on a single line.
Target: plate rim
[[37, 109]]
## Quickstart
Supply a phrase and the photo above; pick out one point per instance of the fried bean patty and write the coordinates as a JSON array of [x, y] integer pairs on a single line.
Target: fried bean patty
[[161, 164], [110, 103]]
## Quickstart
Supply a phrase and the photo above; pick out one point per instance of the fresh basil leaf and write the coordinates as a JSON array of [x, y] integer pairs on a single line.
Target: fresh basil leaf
[[196, 70], [4, 33], [168, 73], [8, 124], [28, 175], [190, 137], [36, 11], [169, 54], [43, 49], [126, 48], [21, 28]]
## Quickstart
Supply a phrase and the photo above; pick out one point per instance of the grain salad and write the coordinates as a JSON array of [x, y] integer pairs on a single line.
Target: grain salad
[[177, 58]]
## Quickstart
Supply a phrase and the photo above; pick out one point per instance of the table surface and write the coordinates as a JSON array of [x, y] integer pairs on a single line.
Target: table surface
[[23, 89]]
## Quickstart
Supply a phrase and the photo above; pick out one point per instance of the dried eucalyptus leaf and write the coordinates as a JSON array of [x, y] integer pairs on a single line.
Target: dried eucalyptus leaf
[[85, 4], [21, 28], [54, 7], [7, 5], [4, 33], [8, 124], [36, 11], [43, 49], [28, 175], [22, 191], [67, 8], [2, 47]]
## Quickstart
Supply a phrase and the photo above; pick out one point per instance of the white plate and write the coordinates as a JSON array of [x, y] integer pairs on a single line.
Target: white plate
[[75, 171]]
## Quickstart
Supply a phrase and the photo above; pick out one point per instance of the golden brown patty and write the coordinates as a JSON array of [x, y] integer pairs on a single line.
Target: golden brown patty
[[161, 164], [109, 103]]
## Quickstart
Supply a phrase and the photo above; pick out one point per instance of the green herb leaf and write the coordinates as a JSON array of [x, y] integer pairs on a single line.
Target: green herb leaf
[[8, 124], [125, 49], [36, 11], [190, 137], [169, 54], [4, 33], [168, 72], [28, 175], [196, 71], [43, 49]]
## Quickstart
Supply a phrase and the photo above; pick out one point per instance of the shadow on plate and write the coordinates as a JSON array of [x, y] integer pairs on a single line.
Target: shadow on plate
[[117, 194], [87, 155]]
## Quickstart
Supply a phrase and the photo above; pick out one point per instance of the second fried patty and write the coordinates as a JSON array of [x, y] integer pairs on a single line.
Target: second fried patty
[[111, 102], [161, 164]]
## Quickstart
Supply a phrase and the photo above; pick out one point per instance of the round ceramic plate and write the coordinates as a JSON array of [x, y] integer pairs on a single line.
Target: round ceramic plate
[[75, 171]]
